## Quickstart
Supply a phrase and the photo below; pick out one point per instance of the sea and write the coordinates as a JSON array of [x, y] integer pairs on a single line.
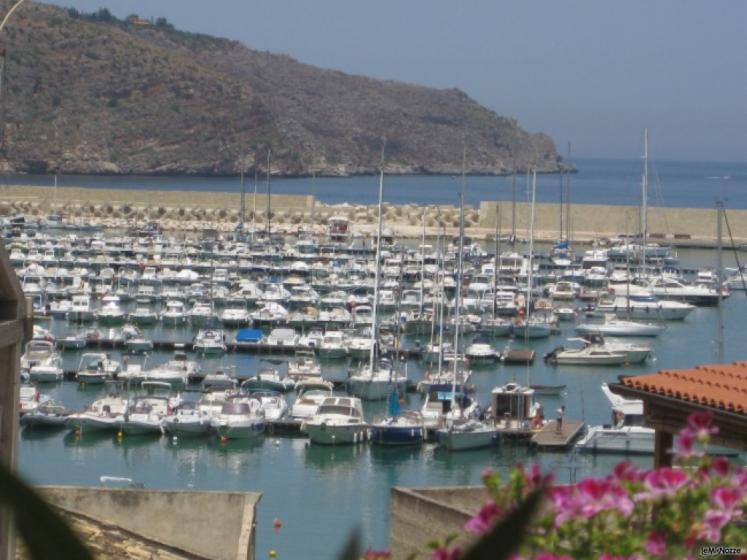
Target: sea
[[321, 494], [598, 181]]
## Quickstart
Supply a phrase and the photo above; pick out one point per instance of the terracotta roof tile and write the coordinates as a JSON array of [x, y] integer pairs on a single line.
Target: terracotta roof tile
[[721, 386]]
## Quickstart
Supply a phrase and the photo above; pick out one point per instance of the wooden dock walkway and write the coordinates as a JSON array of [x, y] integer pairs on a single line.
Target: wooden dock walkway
[[550, 439]]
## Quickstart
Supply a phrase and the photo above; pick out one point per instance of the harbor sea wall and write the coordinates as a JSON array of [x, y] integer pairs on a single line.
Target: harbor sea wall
[[594, 221], [216, 525], [420, 515], [198, 210]]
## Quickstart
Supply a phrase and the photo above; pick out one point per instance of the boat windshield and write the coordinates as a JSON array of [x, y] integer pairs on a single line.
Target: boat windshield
[[338, 409]]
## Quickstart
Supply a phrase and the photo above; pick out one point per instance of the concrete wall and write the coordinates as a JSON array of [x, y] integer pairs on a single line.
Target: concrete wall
[[589, 221], [139, 197], [419, 515], [217, 525]]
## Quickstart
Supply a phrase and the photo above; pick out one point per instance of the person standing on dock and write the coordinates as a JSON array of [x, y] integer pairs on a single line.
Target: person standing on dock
[[559, 422]]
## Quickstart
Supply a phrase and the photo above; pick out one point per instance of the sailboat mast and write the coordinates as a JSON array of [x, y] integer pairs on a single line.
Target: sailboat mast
[[719, 280], [496, 251], [422, 267], [269, 195], [531, 250], [254, 203], [460, 265], [441, 297], [374, 319], [644, 200], [243, 198]]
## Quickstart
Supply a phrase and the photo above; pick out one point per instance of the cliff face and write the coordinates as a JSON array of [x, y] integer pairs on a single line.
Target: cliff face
[[83, 96]]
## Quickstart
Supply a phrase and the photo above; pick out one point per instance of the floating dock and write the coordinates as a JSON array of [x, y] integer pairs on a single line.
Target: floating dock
[[549, 438]]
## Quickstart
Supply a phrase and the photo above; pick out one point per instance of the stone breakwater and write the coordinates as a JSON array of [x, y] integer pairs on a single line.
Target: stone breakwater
[[199, 210]]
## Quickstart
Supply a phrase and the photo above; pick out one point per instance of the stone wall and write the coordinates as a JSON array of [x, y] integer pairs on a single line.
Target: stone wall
[[590, 221], [217, 525], [419, 515]]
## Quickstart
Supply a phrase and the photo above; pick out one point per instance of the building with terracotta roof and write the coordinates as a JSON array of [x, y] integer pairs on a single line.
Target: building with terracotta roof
[[671, 395]]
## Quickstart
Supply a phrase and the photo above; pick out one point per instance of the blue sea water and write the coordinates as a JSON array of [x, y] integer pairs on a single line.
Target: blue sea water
[[598, 181]]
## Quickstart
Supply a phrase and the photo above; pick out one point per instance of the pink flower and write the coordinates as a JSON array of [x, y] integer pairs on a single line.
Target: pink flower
[[684, 444], [443, 553], [740, 479], [702, 424], [721, 466], [588, 498], [656, 545], [714, 521], [484, 519], [625, 471], [662, 482], [725, 498]]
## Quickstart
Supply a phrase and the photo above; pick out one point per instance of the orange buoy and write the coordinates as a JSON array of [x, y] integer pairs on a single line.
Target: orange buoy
[[277, 524], [223, 439]]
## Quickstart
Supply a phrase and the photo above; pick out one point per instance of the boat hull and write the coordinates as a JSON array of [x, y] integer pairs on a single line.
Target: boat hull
[[396, 435], [461, 441], [325, 434]]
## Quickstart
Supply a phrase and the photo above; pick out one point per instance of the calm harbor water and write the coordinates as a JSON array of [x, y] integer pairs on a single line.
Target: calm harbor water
[[598, 181], [321, 493]]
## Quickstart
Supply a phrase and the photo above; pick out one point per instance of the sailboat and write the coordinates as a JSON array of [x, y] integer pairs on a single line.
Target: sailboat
[[398, 428], [462, 432], [528, 327], [378, 378]]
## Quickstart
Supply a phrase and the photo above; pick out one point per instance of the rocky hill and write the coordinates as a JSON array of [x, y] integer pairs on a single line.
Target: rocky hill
[[87, 93]]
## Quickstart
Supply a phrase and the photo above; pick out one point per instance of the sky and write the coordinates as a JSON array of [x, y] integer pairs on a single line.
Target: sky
[[594, 73]]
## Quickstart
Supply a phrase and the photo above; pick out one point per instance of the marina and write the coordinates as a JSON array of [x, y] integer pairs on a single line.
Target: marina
[[304, 363]]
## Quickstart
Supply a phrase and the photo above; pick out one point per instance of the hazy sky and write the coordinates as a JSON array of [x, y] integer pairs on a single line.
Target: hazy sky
[[592, 72]]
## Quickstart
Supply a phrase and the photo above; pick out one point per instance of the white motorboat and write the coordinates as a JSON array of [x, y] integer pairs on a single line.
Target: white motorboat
[[304, 366], [80, 309], [144, 415], [143, 314], [480, 352], [587, 355], [268, 379], [135, 341], [670, 288], [274, 404], [236, 316], [359, 345], [209, 343], [175, 313], [239, 418], [30, 399], [531, 328], [111, 313], [72, 342], [619, 327], [644, 307], [188, 419], [202, 314], [176, 371], [103, 414], [460, 435], [634, 352], [96, 368], [338, 421], [626, 434], [308, 402], [41, 361], [46, 415], [333, 345]]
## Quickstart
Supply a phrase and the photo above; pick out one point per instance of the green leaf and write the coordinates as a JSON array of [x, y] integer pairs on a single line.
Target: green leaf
[[506, 537], [351, 551], [44, 532]]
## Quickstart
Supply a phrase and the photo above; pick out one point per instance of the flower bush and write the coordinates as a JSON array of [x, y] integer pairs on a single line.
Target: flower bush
[[631, 514]]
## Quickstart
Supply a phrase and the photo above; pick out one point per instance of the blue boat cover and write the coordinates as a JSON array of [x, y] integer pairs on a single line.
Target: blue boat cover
[[249, 335]]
